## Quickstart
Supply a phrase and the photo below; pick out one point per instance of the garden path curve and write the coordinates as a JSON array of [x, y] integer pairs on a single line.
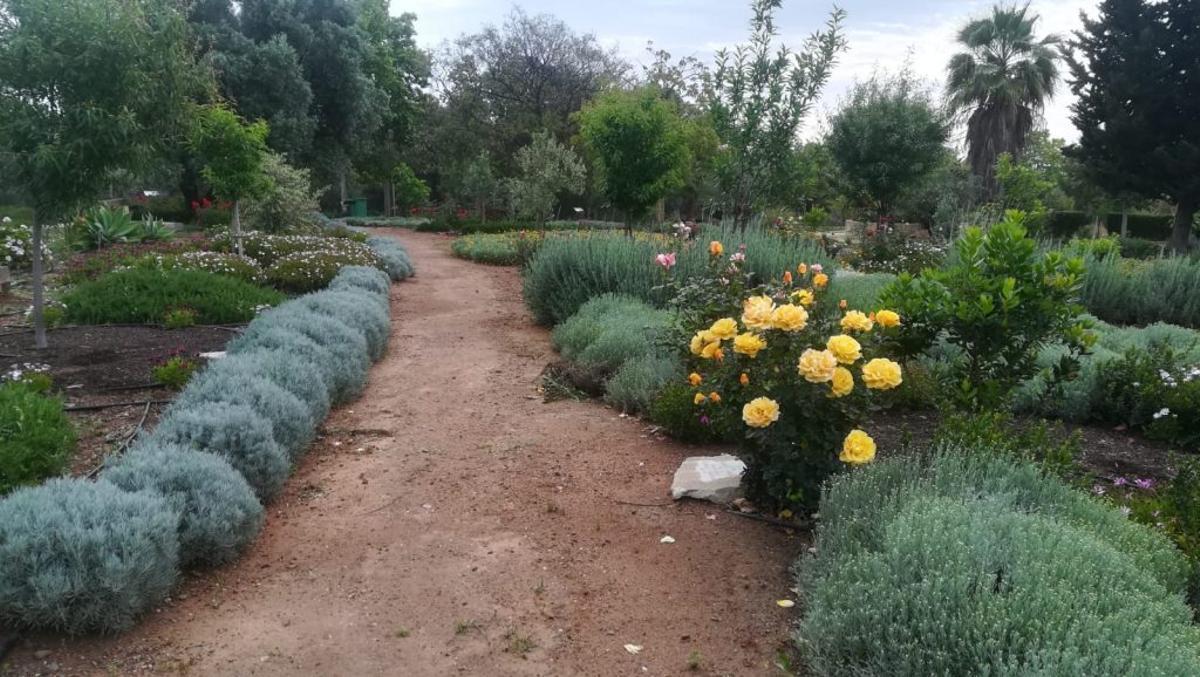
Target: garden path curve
[[450, 522]]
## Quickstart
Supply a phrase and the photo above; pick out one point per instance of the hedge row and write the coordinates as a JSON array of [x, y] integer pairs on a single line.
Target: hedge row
[[971, 564], [81, 556]]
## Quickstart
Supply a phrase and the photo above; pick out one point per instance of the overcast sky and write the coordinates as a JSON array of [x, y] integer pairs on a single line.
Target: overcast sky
[[880, 32]]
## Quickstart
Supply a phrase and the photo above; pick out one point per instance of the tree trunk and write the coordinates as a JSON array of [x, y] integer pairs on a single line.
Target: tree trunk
[[1124, 221], [342, 189], [39, 288], [235, 226], [387, 199], [1181, 231]]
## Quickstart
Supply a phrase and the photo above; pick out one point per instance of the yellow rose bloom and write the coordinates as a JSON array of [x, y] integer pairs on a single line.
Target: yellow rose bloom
[[756, 312], [856, 320], [802, 269], [803, 296], [844, 348], [695, 379], [748, 344], [820, 280], [881, 374], [744, 379], [716, 248], [842, 383], [817, 366], [723, 329], [760, 412], [888, 318], [714, 398], [789, 318], [701, 339], [858, 448], [712, 351], [700, 398]]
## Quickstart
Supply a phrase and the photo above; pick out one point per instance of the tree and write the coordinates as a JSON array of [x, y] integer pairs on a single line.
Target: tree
[[886, 138], [757, 100], [86, 87], [233, 157], [1135, 71], [1000, 85], [477, 184], [409, 189], [290, 201], [545, 169], [506, 83], [640, 146]]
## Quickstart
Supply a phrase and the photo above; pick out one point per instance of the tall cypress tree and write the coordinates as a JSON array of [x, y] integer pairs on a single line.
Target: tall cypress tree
[[1135, 71]]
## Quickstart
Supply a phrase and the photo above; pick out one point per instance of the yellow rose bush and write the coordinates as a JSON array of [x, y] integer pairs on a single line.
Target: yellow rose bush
[[796, 373]]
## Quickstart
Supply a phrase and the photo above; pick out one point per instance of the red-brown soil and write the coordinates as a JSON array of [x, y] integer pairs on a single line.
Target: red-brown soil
[[452, 523]]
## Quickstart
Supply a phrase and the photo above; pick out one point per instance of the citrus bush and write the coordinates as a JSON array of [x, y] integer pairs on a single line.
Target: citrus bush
[[144, 296], [36, 438], [798, 370]]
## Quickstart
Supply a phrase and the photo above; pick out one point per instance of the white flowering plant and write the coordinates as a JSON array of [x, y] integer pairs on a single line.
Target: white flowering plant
[[1156, 390], [16, 245]]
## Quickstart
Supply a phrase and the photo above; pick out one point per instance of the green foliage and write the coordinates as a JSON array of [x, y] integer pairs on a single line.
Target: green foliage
[[233, 154], [288, 200], [999, 303], [1032, 442], [673, 409], [545, 169], [36, 438], [890, 251], [102, 227], [219, 514], [84, 557], [144, 296], [230, 265], [886, 138], [1141, 292], [267, 249], [179, 318], [233, 431], [476, 183], [610, 329], [758, 99], [410, 190], [175, 372], [496, 249], [639, 380], [1156, 390], [639, 143], [566, 272]]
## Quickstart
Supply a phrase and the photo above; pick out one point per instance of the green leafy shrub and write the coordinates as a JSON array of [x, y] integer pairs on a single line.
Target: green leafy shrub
[[894, 252], [347, 348], [175, 372], [362, 277], [142, 296], [179, 318], [1123, 291], [674, 409], [91, 265], [235, 432], [84, 557], [219, 514], [394, 259], [362, 311], [566, 272], [970, 563], [288, 202], [1155, 390], [998, 303], [492, 249], [1137, 248], [36, 437], [291, 424], [610, 329]]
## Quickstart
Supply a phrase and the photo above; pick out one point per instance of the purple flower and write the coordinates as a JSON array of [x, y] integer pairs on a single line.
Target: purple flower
[[703, 420], [1145, 483], [1120, 482]]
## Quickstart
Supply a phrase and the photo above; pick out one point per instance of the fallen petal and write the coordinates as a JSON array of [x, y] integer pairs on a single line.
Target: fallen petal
[[666, 539], [634, 649]]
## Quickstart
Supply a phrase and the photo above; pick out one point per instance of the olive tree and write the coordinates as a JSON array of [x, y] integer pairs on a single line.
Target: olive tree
[[546, 168]]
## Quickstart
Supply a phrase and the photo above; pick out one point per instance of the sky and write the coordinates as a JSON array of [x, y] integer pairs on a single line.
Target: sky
[[881, 33]]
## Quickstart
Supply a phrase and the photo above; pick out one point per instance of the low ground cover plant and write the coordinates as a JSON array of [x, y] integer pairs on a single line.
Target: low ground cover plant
[[144, 296], [971, 563], [36, 438]]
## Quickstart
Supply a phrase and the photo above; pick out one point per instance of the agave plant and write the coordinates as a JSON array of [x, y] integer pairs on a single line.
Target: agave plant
[[150, 229], [104, 226]]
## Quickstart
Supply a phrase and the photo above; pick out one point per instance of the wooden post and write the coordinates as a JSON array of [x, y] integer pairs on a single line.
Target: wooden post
[[5, 279]]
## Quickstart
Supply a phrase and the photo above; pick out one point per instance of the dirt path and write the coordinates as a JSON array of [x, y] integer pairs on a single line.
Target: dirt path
[[451, 523]]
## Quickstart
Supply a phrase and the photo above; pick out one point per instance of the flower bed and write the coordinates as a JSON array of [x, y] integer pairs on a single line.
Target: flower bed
[[83, 556]]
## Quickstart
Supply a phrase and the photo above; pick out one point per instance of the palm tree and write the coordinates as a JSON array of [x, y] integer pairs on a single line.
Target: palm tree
[[1000, 85]]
